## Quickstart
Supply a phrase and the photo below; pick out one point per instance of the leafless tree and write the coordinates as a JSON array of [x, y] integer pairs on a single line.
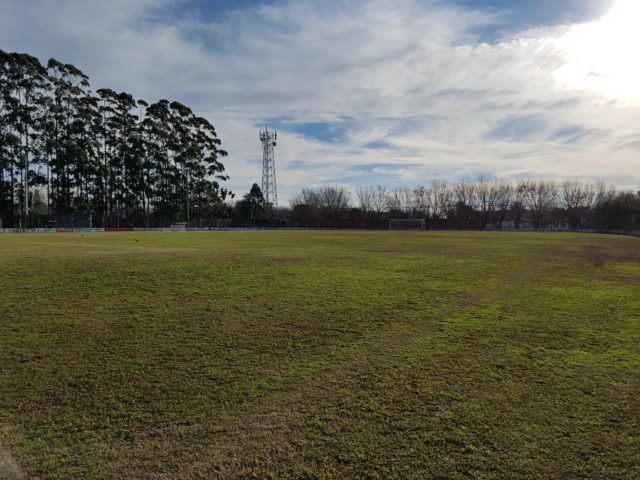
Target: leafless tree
[[573, 194], [602, 194], [308, 196], [333, 199], [379, 200], [407, 200], [440, 198], [486, 194], [542, 196], [576, 197], [366, 196], [421, 201], [328, 201], [393, 201], [503, 194], [463, 192], [518, 208], [489, 200]]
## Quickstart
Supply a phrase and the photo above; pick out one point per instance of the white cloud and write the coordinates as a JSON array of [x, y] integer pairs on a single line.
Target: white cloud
[[410, 77]]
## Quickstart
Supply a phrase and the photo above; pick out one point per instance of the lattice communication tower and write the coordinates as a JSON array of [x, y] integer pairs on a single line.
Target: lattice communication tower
[[269, 190]]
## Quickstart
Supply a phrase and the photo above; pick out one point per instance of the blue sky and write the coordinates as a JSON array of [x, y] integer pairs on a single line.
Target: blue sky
[[398, 92], [525, 13], [513, 15], [517, 13]]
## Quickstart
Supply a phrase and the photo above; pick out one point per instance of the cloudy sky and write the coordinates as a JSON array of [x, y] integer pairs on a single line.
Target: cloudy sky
[[394, 92]]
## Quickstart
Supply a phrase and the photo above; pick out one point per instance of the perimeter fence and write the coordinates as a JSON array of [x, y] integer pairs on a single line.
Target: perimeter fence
[[634, 233]]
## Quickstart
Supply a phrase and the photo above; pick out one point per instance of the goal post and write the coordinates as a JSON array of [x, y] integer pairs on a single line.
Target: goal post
[[407, 224]]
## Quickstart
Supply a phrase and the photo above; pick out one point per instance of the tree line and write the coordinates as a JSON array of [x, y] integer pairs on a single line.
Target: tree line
[[66, 150], [481, 203]]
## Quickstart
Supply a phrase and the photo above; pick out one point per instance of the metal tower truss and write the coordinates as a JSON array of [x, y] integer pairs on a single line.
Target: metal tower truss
[[269, 190]]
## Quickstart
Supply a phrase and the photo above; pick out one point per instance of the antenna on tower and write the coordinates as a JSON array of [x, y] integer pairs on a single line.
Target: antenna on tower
[[269, 190]]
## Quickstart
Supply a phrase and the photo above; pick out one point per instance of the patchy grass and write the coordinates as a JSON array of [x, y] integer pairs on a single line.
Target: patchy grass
[[320, 355]]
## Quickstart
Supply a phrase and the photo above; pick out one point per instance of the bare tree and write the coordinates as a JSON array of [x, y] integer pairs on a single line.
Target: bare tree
[[407, 200], [541, 197], [440, 198], [379, 200], [326, 202], [503, 194], [602, 194], [333, 199], [308, 196], [393, 202], [463, 192], [489, 200], [366, 196], [421, 200], [486, 199], [518, 208], [576, 197]]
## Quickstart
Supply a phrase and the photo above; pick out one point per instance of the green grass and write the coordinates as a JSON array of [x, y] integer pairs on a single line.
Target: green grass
[[320, 355]]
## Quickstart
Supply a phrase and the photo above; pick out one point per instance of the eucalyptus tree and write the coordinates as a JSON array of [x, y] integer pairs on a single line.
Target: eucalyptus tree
[[210, 194], [185, 156], [126, 159], [107, 164], [105, 155], [71, 112], [140, 148], [87, 147], [6, 154], [121, 157], [137, 167], [198, 160], [161, 145], [24, 86]]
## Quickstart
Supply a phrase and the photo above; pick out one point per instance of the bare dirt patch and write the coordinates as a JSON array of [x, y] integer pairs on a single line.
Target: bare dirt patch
[[9, 469]]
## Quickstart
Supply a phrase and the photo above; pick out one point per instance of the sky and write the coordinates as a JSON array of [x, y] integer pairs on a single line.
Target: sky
[[392, 92]]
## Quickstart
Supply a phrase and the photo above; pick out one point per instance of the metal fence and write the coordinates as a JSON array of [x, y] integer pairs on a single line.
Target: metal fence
[[634, 233]]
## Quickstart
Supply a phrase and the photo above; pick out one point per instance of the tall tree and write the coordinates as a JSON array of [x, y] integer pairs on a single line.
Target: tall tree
[[107, 156]]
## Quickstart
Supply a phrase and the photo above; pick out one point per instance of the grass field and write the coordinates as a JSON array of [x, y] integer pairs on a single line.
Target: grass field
[[320, 355]]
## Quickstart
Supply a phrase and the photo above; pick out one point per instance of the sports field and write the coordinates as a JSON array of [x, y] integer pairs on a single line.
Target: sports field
[[408, 355]]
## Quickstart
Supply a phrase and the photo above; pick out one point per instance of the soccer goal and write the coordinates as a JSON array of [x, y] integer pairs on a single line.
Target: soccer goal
[[407, 224]]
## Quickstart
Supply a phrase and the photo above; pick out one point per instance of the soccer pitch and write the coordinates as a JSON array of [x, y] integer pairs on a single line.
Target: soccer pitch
[[446, 355]]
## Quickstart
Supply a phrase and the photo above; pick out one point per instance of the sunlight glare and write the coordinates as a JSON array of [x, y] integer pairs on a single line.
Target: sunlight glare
[[604, 55]]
